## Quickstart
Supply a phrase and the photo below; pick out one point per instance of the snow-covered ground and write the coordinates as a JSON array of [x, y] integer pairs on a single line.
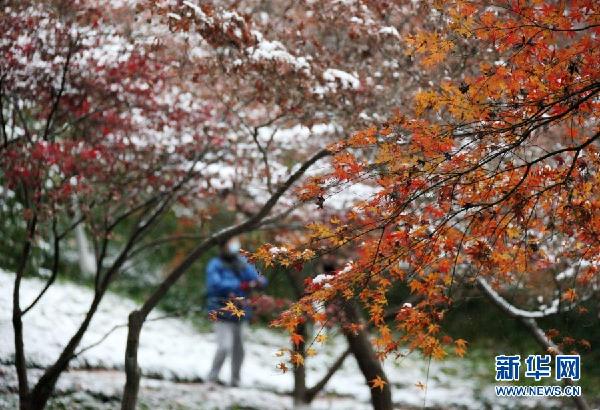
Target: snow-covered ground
[[174, 351]]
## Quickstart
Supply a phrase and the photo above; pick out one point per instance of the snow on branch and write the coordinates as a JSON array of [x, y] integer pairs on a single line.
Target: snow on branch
[[347, 80], [266, 50], [198, 11], [512, 310]]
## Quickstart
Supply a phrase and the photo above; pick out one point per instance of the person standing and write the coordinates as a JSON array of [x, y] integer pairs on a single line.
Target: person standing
[[229, 276]]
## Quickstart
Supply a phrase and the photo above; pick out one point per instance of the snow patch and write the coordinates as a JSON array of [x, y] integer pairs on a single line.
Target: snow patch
[[389, 30], [347, 80], [276, 51]]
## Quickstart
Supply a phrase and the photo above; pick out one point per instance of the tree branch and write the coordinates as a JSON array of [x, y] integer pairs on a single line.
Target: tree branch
[[226, 233], [61, 90], [55, 261], [313, 391], [2, 120]]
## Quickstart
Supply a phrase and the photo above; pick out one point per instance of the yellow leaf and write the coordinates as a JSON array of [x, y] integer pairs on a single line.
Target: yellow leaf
[[461, 343], [321, 338], [378, 382], [233, 309], [297, 359]]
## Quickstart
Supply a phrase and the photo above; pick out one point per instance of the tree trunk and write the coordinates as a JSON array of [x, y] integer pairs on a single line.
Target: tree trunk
[[299, 392], [20, 362], [87, 259], [303, 395], [369, 364], [313, 391], [17, 318], [132, 368]]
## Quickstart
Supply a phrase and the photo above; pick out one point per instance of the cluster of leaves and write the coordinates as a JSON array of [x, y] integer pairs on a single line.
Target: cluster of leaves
[[69, 81], [489, 175]]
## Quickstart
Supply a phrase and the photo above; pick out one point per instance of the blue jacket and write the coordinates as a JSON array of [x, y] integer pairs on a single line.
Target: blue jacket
[[224, 280]]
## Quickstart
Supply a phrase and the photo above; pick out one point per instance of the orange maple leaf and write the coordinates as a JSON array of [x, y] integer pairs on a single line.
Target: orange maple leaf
[[461, 347], [297, 359], [378, 382], [570, 295], [297, 339]]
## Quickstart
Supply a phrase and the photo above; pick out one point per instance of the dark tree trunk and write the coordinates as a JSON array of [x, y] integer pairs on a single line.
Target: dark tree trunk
[[369, 364], [17, 318], [132, 368], [299, 393], [302, 394], [20, 362], [313, 391]]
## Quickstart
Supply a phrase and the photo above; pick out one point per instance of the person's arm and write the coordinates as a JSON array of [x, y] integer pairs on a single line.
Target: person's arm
[[218, 284], [252, 279]]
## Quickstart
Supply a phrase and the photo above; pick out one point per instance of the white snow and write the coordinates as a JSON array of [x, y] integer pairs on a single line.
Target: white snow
[[198, 11], [276, 250], [350, 195], [276, 51], [347, 267], [389, 30], [172, 349], [347, 80], [321, 278], [298, 133]]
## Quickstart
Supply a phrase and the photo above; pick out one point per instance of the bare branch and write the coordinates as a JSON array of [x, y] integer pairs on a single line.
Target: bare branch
[[55, 260], [335, 366], [59, 94], [510, 309]]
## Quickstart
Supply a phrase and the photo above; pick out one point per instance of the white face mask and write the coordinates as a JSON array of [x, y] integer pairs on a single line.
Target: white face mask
[[234, 246]]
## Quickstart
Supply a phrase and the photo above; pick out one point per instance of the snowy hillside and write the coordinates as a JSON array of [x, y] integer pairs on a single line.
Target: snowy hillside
[[172, 350]]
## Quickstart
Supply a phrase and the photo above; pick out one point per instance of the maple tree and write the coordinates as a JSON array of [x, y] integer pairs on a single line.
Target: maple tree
[[81, 104], [488, 179]]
